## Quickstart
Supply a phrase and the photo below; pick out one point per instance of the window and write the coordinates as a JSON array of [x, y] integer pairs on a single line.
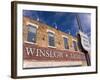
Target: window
[[32, 33], [75, 45], [51, 39], [66, 46]]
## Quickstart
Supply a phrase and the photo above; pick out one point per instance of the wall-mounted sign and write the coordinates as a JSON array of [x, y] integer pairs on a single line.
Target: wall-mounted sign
[[84, 41]]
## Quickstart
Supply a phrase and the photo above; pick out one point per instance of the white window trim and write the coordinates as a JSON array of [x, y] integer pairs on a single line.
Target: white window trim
[[51, 46], [64, 36], [36, 26], [74, 40], [29, 23], [48, 30], [29, 42]]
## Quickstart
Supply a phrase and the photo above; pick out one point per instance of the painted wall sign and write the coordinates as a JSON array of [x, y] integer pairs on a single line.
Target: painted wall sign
[[33, 52]]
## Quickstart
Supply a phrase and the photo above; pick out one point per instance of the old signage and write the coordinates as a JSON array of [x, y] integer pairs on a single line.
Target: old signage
[[34, 52], [84, 41]]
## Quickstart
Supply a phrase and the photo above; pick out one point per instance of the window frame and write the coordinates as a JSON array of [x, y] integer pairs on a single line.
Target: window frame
[[73, 44], [63, 36], [50, 31], [33, 25]]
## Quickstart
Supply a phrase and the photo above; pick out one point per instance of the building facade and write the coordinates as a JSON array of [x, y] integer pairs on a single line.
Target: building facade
[[49, 41]]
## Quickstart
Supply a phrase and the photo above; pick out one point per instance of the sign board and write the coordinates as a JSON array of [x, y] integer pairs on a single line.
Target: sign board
[[84, 41]]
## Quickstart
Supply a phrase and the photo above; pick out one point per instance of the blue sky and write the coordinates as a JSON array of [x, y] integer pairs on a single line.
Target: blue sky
[[65, 21]]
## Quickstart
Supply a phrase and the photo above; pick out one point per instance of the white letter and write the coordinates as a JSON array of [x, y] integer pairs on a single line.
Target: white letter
[[30, 50]]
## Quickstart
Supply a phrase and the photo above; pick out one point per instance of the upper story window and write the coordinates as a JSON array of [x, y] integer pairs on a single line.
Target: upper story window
[[51, 39], [75, 45], [66, 46], [32, 33]]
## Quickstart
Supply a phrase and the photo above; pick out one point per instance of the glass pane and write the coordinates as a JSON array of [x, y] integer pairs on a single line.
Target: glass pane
[[51, 39], [75, 45], [66, 43], [32, 34], [32, 29]]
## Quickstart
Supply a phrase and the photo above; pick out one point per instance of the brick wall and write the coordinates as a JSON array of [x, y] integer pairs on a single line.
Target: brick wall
[[42, 41], [42, 37]]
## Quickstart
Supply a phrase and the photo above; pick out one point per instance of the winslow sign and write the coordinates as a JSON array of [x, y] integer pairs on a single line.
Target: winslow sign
[[33, 52]]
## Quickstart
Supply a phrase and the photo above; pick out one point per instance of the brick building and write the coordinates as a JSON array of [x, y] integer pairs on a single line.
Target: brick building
[[41, 36]]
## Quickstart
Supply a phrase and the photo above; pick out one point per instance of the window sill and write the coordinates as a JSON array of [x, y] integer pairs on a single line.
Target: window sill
[[66, 49], [51, 47], [29, 42]]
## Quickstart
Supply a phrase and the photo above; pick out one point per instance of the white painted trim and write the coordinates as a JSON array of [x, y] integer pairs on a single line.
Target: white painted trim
[[51, 46], [49, 63], [48, 30], [29, 23], [74, 40], [64, 36], [66, 49], [29, 42]]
